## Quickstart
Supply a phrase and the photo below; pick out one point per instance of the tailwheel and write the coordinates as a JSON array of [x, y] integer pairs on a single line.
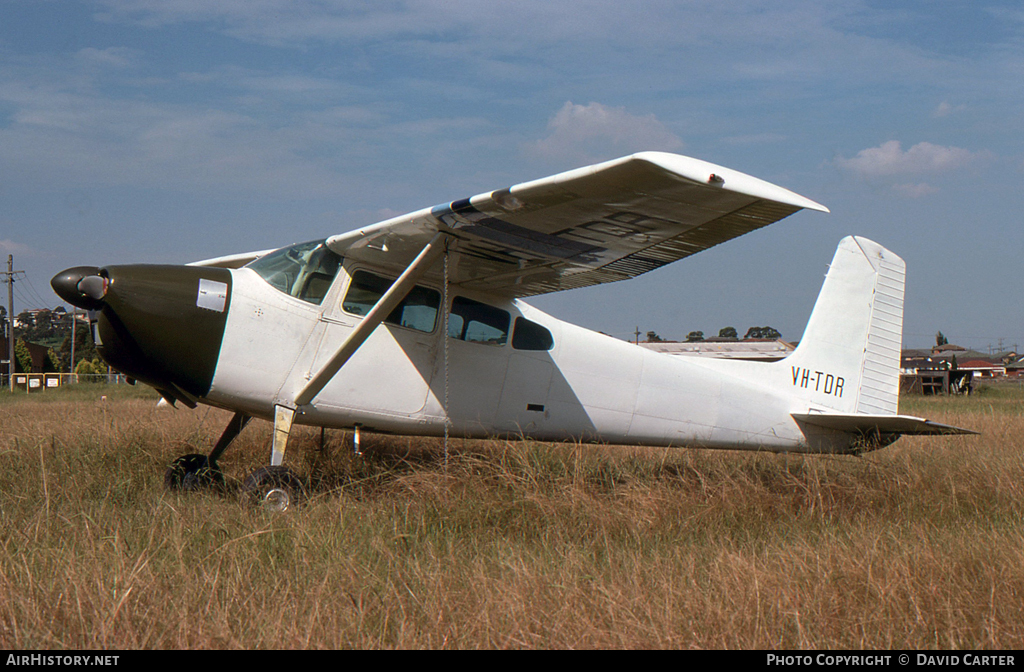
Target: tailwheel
[[273, 488], [192, 472]]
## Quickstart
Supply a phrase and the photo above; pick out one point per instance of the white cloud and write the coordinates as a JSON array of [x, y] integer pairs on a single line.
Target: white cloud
[[755, 139], [275, 20], [944, 109], [11, 247], [586, 133], [915, 190], [639, 48], [66, 134], [84, 141], [890, 159], [112, 57]]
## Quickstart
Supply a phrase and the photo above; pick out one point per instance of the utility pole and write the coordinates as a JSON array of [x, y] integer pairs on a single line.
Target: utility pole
[[10, 318]]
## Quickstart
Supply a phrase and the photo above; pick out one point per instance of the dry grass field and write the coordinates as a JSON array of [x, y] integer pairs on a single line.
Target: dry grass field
[[918, 545]]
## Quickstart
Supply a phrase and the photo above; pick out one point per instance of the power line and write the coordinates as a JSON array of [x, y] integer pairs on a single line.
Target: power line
[[40, 301], [24, 301]]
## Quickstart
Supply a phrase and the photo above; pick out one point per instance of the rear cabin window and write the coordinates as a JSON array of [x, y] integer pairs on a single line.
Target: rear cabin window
[[305, 270], [478, 322], [418, 311], [531, 336]]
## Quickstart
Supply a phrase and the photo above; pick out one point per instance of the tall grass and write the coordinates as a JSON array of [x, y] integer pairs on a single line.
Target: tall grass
[[514, 544]]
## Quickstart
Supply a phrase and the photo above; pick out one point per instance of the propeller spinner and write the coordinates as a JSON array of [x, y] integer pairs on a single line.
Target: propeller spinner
[[81, 286]]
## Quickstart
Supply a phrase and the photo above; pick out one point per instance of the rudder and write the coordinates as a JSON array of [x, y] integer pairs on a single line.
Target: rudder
[[851, 346]]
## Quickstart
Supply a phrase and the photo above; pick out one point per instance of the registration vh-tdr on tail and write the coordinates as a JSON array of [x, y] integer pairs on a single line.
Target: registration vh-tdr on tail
[[415, 325]]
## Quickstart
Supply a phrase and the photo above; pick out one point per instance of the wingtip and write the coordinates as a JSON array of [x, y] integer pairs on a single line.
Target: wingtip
[[699, 170]]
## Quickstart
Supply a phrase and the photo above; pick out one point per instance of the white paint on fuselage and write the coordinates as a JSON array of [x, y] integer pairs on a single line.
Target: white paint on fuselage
[[588, 387]]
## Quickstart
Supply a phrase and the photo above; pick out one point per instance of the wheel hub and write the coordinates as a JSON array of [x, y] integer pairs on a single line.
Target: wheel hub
[[276, 499]]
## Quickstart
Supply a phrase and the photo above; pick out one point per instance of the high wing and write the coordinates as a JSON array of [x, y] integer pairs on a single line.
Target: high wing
[[601, 223]]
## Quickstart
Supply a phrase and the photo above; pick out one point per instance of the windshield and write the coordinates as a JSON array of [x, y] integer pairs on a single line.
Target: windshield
[[305, 270]]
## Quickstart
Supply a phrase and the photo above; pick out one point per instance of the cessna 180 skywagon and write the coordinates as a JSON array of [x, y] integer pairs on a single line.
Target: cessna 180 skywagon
[[415, 325]]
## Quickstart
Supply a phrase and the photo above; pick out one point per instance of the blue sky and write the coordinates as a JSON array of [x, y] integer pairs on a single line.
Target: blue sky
[[167, 131]]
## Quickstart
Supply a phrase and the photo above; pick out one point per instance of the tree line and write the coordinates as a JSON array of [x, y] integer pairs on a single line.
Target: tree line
[[725, 332], [51, 329]]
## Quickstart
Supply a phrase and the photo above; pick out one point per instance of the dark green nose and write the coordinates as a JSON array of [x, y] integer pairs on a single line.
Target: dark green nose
[[162, 325]]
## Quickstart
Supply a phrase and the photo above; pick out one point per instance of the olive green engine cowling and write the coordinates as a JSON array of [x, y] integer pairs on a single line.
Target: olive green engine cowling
[[152, 327]]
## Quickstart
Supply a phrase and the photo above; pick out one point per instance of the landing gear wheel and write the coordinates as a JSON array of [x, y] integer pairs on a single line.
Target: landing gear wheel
[[273, 488], [192, 472]]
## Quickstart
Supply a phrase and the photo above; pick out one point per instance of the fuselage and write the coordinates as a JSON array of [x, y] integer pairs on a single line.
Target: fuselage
[[573, 384], [249, 339]]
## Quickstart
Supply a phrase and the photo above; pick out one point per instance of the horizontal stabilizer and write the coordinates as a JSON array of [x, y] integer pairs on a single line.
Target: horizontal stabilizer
[[863, 423]]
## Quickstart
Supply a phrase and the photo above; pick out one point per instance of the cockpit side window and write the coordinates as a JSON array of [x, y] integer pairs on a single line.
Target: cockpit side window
[[417, 311], [478, 322], [305, 270]]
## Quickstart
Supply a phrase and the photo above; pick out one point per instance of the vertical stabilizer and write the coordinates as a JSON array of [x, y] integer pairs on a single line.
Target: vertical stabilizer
[[849, 357]]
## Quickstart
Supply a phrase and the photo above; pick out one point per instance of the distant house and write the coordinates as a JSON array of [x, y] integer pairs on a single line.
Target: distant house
[[951, 369], [984, 368], [38, 353]]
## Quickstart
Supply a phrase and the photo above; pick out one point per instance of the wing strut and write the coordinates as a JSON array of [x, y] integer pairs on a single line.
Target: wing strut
[[395, 295], [283, 415]]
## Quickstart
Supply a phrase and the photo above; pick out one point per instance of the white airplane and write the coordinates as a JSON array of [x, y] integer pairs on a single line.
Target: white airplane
[[415, 326]]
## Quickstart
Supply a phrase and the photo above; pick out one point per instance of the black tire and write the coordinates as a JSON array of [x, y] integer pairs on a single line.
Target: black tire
[[191, 473], [273, 488]]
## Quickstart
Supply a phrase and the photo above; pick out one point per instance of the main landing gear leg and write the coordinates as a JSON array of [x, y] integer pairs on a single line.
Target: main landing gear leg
[[275, 487], [196, 472]]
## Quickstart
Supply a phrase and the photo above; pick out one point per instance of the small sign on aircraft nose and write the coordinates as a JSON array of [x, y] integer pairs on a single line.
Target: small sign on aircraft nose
[[213, 295]]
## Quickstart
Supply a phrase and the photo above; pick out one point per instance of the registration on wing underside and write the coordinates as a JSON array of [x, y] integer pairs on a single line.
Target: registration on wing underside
[[463, 217], [620, 243]]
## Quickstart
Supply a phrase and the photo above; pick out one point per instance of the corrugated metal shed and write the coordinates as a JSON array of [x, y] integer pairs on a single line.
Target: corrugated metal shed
[[767, 351]]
